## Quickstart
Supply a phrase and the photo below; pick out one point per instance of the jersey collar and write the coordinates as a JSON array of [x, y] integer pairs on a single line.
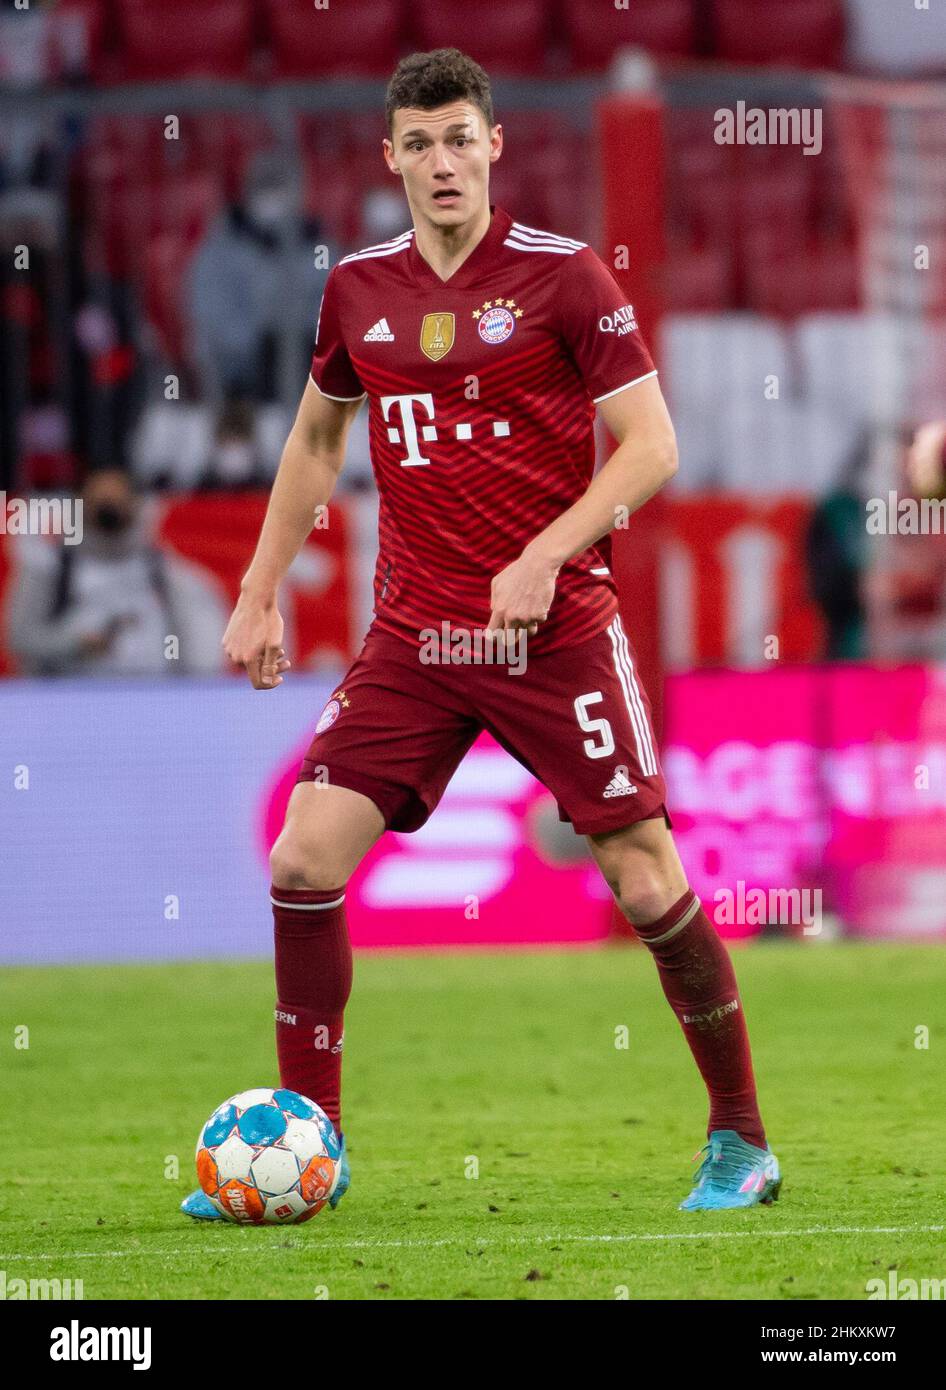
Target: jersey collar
[[480, 257]]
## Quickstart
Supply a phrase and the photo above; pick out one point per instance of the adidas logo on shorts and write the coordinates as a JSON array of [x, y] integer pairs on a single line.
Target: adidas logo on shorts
[[379, 333], [620, 785]]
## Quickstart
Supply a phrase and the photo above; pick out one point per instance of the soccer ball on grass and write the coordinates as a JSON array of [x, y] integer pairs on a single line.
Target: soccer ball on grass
[[268, 1158]]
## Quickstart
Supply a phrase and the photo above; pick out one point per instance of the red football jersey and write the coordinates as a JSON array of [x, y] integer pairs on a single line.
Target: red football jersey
[[481, 394]]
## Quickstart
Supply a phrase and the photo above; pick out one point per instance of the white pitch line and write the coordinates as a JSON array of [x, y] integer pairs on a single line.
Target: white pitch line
[[497, 1240]]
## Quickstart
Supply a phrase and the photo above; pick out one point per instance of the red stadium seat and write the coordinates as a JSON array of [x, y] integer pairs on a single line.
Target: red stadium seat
[[795, 33], [774, 193], [184, 38], [698, 279], [813, 276], [595, 30], [348, 36], [511, 36]]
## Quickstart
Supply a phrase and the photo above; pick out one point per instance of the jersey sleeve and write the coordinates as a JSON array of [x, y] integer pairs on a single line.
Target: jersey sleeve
[[599, 327], [332, 369]]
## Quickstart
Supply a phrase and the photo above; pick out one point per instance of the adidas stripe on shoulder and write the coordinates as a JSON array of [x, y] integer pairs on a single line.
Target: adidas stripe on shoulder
[[522, 238], [384, 248]]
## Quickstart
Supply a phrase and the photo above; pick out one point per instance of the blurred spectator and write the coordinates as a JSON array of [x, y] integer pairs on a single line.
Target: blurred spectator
[[43, 41], [108, 605], [926, 460], [34, 425], [836, 555], [907, 591], [256, 280], [234, 460]]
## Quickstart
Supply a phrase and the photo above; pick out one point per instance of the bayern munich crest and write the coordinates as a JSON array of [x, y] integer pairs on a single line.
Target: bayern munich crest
[[328, 716], [332, 710], [497, 319]]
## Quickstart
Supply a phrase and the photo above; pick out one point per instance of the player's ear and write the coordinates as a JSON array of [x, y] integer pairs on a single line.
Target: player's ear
[[388, 149], [495, 143]]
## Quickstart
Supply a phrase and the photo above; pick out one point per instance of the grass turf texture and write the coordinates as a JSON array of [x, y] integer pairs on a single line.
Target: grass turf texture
[[509, 1059]]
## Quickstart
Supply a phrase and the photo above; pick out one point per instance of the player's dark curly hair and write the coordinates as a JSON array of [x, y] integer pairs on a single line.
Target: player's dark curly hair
[[426, 80]]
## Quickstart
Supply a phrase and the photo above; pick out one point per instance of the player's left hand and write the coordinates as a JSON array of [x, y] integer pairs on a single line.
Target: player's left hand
[[521, 595]]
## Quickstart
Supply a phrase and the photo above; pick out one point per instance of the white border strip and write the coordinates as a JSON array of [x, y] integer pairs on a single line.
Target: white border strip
[[335, 398], [553, 249], [201, 1245], [307, 907], [635, 708], [618, 389], [625, 653]]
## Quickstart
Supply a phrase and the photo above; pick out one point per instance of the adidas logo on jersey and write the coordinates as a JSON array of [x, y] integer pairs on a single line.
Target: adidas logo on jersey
[[620, 785], [379, 333]]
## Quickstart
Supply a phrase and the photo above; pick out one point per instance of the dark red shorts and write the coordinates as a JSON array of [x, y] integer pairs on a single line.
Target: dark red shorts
[[578, 718]]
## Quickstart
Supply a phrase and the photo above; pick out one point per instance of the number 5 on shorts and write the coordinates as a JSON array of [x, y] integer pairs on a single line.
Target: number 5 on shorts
[[600, 727]]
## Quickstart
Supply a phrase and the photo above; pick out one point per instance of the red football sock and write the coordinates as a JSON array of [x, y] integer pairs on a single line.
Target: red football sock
[[700, 984], [313, 982]]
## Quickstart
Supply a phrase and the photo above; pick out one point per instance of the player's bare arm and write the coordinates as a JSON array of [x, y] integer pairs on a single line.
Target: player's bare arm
[[308, 470], [644, 460]]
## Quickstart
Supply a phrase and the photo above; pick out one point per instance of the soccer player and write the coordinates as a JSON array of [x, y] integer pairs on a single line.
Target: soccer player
[[483, 347]]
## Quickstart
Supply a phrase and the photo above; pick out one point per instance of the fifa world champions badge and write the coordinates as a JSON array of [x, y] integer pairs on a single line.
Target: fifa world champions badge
[[436, 335]]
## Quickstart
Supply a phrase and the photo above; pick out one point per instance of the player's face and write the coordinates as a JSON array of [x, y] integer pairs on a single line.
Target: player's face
[[443, 157]]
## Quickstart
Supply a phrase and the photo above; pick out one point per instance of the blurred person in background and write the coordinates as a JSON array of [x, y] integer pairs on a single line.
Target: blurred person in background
[[926, 460], [107, 606], [836, 555], [254, 282], [907, 590], [234, 461]]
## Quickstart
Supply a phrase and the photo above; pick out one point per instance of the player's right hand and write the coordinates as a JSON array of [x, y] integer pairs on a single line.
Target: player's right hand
[[253, 640]]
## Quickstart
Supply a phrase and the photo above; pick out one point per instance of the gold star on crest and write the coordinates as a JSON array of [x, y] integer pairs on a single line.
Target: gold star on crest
[[500, 303], [342, 698]]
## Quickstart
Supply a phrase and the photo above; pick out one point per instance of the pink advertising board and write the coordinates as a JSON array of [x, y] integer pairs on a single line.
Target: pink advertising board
[[486, 870], [830, 779], [822, 778]]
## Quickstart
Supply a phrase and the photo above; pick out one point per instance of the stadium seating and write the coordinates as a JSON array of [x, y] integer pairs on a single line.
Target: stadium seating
[[805, 275], [699, 277], [666, 28], [733, 433], [172, 441], [345, 37], [512, 36], [184, 38], [796, 33]]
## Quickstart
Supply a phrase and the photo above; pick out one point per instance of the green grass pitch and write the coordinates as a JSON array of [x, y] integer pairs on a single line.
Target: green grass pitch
[[505, 1063]]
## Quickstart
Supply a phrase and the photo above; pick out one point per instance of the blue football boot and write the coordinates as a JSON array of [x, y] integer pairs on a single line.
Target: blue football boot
[[733, 1174], [200, 1207], [344, 1177]]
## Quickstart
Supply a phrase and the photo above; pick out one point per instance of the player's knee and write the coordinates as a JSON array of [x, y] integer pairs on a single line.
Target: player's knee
[[298, 863], [643, 889]]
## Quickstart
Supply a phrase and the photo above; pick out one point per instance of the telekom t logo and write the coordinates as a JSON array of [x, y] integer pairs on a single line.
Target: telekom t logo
[[408, 431]]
